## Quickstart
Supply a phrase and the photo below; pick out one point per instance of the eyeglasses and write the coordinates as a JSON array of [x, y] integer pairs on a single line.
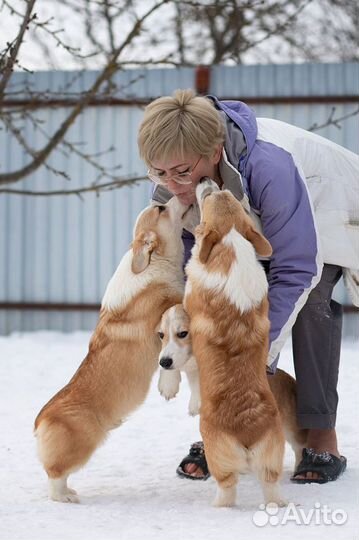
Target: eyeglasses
[[180, 178]]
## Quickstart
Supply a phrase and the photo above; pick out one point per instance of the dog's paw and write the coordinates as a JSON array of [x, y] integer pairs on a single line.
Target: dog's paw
[[168, 391], [277, 503], [65, 496], [225, 498], [282, 502], [168, 384], [193, 407]]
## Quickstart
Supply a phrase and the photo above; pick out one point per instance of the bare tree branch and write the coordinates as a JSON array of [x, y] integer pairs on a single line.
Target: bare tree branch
[[30, 151], [97, 188], [112, 66], [14, 49], [206, 31], [280, 26], [53, 33], [331, 121]]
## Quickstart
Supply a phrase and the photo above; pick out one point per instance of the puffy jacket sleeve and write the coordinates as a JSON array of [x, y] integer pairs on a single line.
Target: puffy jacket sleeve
[[279, 193]]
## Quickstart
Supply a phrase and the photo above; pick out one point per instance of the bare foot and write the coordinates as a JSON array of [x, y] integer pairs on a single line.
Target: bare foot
[[321, 440], [193, 470], [195, 465]]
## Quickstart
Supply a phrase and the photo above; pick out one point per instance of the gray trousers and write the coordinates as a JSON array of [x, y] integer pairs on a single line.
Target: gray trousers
[[316, 337]]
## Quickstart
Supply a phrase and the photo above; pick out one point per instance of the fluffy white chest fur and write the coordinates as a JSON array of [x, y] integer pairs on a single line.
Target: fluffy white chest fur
[[125, 285], [246, 284]]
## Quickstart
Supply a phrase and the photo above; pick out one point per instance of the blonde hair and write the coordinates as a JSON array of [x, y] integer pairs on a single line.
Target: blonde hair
[[179, 125]]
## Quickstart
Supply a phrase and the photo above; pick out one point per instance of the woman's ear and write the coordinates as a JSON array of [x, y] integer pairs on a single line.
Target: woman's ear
[[217, 153]]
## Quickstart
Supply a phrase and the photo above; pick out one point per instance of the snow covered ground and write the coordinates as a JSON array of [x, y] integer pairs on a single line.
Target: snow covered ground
[[129, 489]]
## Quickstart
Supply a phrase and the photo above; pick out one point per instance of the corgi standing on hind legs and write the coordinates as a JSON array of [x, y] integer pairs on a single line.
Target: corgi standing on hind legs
[[226, 300], [176, 356], [114, 378]]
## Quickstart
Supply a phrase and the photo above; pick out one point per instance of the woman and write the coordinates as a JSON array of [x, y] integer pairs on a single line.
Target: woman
[[302, 190]]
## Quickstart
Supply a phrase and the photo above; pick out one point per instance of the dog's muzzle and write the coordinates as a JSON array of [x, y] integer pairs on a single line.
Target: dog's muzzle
[[205, 187]]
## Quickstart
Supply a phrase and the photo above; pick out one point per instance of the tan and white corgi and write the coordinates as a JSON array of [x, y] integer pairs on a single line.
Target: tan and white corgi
[[176, 356], [226, 300], [114, 378]]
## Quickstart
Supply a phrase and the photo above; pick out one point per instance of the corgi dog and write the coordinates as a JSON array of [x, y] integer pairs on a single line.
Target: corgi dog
[[114, 378], [176, 356], [226, 300]]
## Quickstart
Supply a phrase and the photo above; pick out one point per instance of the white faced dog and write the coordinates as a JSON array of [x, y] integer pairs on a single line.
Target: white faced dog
[[176, 356]]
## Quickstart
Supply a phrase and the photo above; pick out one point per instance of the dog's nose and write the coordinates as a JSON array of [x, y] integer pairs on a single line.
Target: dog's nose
[[166, 362], [205, 187], [204, 179]]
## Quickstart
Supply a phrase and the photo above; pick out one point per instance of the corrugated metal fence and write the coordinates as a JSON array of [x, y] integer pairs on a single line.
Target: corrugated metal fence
[[62, 250]]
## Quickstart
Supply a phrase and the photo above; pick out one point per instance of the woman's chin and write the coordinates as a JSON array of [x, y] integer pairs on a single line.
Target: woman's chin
[[187, 198]]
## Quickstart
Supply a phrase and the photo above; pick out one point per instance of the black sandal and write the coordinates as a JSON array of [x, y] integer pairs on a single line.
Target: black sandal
[[328, 466], [197, 457]]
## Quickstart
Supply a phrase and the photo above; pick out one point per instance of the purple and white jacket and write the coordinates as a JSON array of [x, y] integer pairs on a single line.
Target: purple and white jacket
[[269, 165]]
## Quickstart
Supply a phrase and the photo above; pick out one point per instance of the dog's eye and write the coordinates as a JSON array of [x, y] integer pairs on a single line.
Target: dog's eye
[[161, 335], [182, 335], [161, 209]]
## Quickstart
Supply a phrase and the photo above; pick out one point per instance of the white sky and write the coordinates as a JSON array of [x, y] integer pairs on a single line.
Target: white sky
[[32, 56]]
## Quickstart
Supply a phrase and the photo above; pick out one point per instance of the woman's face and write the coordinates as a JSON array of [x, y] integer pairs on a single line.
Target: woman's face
[[194, 164]]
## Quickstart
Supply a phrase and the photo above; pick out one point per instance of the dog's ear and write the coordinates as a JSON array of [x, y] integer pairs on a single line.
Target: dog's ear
[[142, 247], [260, 244], [207, 242]]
